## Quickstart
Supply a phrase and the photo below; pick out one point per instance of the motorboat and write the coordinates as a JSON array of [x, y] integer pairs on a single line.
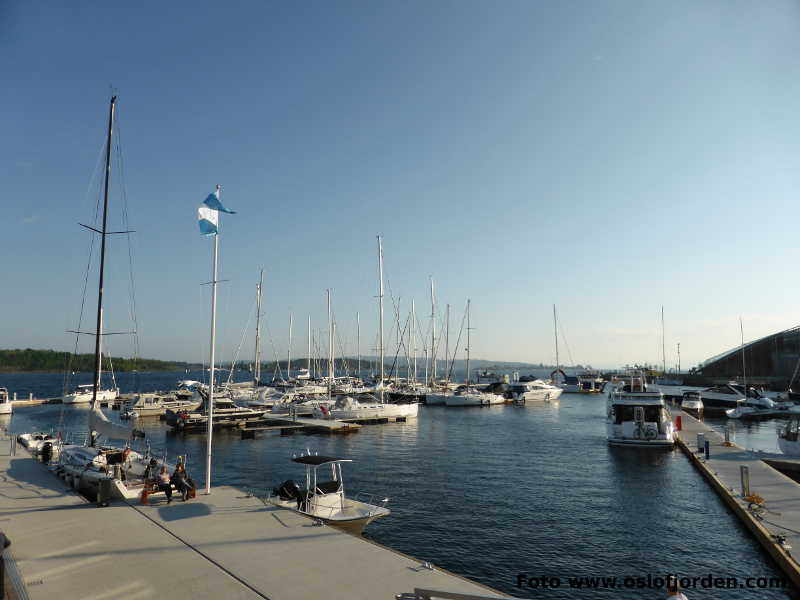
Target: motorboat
[[789, 437], [692, 402], [157, 405], [720, 398], [323, 498], [36, 441], [471, 396], [226, 414], [638, 416], [83, 395], [583, 383], [534, 391], [6, 407], [347, 408]]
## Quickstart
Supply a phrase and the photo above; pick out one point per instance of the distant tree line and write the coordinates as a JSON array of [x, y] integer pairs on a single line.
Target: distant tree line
[[52, 360]]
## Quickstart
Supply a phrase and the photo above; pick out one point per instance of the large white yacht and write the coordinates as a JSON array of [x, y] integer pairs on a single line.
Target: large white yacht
[[350, 409], [470, 396], [534, 391], [638, 416], [226, 414], [156, 405], [720, 398]]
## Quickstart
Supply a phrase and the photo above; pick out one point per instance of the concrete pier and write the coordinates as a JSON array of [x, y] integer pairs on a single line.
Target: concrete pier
[[775, 521], [225, 545]]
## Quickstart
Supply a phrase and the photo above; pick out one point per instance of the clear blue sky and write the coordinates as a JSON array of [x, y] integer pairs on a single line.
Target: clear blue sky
[[608, 157]]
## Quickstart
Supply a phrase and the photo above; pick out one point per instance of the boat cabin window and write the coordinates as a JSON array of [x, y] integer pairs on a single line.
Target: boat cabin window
[[652, 414]]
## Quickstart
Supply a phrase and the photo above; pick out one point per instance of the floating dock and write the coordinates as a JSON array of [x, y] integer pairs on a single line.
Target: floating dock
[[228, 544], [286, 424], [771, 507]]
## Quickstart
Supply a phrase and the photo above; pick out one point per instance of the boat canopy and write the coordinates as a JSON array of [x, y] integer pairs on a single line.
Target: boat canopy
[[317, 460]]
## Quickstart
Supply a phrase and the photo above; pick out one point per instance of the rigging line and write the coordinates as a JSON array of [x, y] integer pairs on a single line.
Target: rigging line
[[274, 352], [566, 344], [458, 342], [241, 342], [337, 339], [126, 227]]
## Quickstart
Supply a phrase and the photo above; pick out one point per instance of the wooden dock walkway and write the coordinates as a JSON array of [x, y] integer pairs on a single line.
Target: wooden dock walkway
[[776, 522], [225, 545], [319, 425]]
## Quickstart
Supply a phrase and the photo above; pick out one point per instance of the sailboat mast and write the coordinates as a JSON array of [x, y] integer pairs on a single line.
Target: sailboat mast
[[744, 370], [257, 359], [413, 340], [468, 330], [380, 317], [330, 345], [555, 334], [433, 334], [447, 342], [308, 360], [358, 342], [663, 351], [289, 350], [97, 345]]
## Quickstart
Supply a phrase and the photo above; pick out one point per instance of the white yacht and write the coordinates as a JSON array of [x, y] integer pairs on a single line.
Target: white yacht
[[692, 403], [83, 395], [534, 391], [226, 414], [349, 409], [6, 407], [470, 396], [720, 398], [325, 499], [637, 416], [157, 405], [36, 441]]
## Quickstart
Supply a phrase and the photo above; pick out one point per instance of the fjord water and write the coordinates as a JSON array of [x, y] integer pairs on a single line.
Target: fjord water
[[490, 493]]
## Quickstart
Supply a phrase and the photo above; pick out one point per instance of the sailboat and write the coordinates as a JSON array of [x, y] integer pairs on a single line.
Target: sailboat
[[471, 396], [347, 407], [119, 470], [83, 394]]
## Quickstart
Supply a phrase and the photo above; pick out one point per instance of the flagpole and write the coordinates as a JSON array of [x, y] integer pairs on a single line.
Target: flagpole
[[210, 403]]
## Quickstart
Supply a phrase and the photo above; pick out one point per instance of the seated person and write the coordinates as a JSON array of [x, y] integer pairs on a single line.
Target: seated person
[[164, 484], [181, 481]]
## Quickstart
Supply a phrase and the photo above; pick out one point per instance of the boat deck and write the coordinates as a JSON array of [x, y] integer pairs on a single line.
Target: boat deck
[[225, 545], [780, 515]]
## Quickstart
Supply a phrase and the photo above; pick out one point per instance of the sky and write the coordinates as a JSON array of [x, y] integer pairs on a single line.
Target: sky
[[607, 157]]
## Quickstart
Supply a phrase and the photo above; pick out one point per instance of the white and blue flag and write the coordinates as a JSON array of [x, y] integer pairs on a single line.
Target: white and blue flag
[[208, 220], [208, 215], [213, 203]]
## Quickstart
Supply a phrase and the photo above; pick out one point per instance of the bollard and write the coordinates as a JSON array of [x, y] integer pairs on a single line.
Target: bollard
[[679, 423], [701, 439], [744, 475], [30, 396], [15, 396], [727, 435], [707, 449]]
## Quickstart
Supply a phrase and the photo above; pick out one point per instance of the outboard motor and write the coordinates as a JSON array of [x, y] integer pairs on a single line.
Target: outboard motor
[[288, 490]]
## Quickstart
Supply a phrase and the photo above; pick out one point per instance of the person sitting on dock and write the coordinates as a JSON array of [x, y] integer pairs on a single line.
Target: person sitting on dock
[[179, 478], [164, 484], [150, 469]]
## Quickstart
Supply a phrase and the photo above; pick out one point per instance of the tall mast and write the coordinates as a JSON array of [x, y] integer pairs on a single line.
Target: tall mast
[[433, 333], [358, 342], [555, 333], [99, 331], [468, 330], [744, 370], [679, 358], [210, 402], [330, 345], [380, 317], [447, 343], [257, 359], [289, 350], [663, 351], [399, 341], [308, 360], [413, 336]]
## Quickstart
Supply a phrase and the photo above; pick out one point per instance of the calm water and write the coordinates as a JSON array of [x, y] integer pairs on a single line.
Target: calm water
[[493, 492]]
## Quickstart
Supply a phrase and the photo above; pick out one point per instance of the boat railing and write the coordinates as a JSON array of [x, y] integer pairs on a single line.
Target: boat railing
[[367, 498]]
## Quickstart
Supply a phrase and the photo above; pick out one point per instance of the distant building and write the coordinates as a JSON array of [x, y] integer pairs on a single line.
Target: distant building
[[772, 360]]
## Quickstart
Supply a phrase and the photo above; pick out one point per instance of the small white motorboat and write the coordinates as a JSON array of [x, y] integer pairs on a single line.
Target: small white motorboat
[[83, 395], [692, 403], [36, 441], [6, 407], [534, 391], [325, 500], [348, 408]]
